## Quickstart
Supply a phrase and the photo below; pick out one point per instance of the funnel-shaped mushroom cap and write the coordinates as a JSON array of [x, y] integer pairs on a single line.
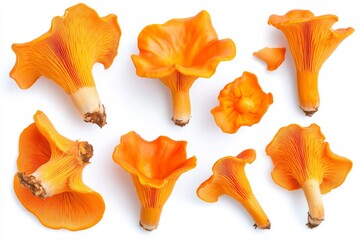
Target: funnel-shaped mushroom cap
[[189, 46], [49, 179], [242, 103], [311, 40], [66, 55], [229, 178], [178, 52], [301, 153], [154, 166]]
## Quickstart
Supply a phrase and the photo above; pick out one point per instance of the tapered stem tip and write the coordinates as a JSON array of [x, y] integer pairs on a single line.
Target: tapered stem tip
[[32, 184], [86, 151], [150, 217], [180, 122], [98, 117], [147, 227], [313, 222], [309, 113], [263, 228]]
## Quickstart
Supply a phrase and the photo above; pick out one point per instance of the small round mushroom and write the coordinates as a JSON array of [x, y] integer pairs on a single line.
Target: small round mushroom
[[241, 103]]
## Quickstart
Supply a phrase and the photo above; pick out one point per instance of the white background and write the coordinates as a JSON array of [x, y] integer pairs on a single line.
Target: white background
[[144, 105]]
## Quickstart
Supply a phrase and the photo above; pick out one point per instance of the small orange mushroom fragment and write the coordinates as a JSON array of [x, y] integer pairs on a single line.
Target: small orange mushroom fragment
[[49, 179], [178, 52], [155, 167], [302, 159], [272, 56], [66, 55], [229, 178], [242, 103], [311, 40]]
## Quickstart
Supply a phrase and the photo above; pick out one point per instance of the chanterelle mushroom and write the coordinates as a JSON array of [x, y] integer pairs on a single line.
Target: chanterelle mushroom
[[229, 178], [49, 179], [241, 103], [66, 55], [302, 159], [155, 167], [311, 40], [178, 52]]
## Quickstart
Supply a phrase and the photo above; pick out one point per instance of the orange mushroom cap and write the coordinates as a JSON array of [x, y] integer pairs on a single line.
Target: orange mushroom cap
[[242, 103], [229, 178], [302, 159], [66, 55], [49, 179], [273, 57], [154, 166], [311, 40], [178, 52]]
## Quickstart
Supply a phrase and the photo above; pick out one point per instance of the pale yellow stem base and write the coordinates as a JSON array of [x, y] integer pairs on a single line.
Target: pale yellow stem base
[[53, 177], [313, 197], [87, 101]]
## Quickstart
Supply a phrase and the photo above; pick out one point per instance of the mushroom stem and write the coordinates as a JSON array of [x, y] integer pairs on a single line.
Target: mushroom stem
[[88, 103], [313, 197], [53, 177], [181, 107], [150, 217], [308, 92], [257, 213], [30, 182], [85, 151]]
